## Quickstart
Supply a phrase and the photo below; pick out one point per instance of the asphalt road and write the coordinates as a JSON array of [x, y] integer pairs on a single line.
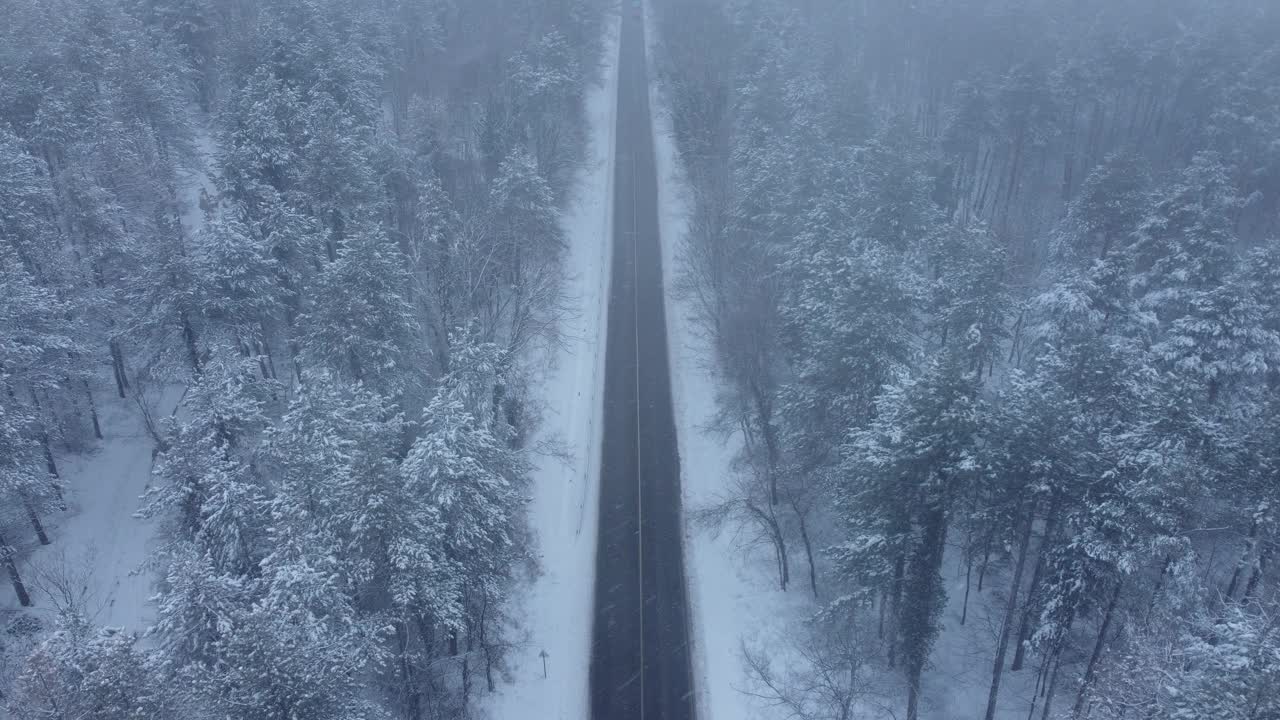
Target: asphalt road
[[640, 650]]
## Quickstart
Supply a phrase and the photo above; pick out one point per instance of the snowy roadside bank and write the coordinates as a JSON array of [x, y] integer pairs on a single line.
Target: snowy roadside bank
[[733, 599], [555, 615]]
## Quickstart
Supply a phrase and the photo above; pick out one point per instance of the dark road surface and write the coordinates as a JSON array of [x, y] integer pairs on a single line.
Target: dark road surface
[[640, 651]]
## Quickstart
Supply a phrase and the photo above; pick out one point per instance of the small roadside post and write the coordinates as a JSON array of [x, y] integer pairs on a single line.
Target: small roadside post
[[544, 657]]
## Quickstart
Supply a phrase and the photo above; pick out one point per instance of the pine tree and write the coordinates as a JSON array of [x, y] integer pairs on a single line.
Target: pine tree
[[89, 672], [360, 322], [899, 482]]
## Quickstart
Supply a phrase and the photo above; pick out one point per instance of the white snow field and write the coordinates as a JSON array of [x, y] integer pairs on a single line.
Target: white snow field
[[98, 539], [555, 612]]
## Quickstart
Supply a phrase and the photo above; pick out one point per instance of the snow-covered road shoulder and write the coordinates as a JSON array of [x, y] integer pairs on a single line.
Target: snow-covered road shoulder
[[554, 614], [732, 597]]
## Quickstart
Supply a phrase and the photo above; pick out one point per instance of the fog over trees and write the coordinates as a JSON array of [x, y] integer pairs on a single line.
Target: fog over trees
[[992, 288], [329, 228]]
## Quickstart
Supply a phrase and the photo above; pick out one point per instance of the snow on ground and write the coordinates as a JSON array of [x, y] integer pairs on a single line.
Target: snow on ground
[[555, 612], [733, 590], [733, 596], [98, 546], [100, 535]]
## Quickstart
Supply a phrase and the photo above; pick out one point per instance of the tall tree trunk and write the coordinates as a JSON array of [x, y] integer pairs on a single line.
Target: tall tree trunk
[[466, 665], [770, 521], [34, 517], [117, 368], [6, 553], [93, 410], [485, 646], [1259, 569], [1155, 592], [764, 411], [1053, 684], [986, 560], [1038, 691], [968, 575], [880, 626], [895, 607], [1243, 563], [924, 587], [408, 680], [50, 465], [189, 339], [1010, 612], [265, 349], [1015, 168], [1092, 668], [1024, 627], [354, 359], [802, 520]]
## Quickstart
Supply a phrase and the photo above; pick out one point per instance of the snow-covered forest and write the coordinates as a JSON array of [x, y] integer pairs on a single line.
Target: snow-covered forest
[[302, 323], [993, 290], [308, 248]]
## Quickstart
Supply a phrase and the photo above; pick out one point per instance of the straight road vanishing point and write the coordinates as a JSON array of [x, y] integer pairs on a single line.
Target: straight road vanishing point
[[640, 650]]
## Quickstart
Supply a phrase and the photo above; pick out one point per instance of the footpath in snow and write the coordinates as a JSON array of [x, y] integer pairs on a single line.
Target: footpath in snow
[[554, 614]]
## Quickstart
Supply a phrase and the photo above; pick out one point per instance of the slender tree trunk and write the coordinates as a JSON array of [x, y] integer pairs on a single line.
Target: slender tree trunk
[[1010, 612], [189, 339], [93, 410], [968, 575], [484, 645], [1038, 692], [1155, 592], [1098, 646], [265, 349], [986, 560], [924, 587], [989, 164], [117, 368], [408, 680], [880, 626], [1243, 563], [895, 607], [803, 521], [1024, 628], [6, 552], [50, 465], [767, 518], [34, 517], [466, 666], [764, 411], [1259, 569], [1015, 168], [1053, 684], [356, 371], [780, 551]]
